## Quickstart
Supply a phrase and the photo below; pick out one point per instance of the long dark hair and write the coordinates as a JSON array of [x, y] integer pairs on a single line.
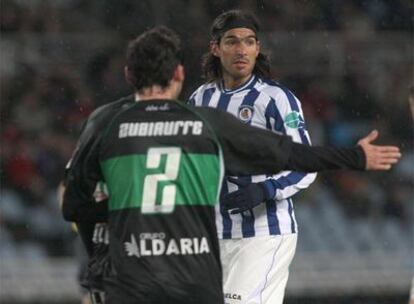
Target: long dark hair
[[211, 65]]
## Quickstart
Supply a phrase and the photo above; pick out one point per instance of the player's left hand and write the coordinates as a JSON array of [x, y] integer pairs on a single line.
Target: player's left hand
[[378, 157], [247, 197]]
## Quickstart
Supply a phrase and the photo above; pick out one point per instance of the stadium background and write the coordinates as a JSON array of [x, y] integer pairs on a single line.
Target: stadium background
[[349, 62]]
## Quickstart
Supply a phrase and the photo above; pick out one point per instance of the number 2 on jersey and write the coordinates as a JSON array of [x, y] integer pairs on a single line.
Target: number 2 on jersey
[[151, 180]]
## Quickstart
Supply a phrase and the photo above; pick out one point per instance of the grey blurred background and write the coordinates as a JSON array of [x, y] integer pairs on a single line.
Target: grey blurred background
[[349, 62]]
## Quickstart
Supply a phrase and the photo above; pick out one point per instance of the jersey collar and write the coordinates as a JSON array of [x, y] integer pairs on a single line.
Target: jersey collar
[[247, 85]]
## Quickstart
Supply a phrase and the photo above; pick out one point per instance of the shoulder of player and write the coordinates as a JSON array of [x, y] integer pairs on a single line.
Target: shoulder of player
[[103, 114], [107, 110], [198, 93], [112, 106], [276, 91]]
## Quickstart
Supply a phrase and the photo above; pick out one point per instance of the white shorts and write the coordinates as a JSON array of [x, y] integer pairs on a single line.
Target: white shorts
[[256, 269]]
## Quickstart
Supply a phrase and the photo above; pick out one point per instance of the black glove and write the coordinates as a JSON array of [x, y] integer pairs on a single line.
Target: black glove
[[247, 197]]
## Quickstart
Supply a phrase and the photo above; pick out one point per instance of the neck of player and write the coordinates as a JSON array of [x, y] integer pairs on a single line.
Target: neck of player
[[231, 82], [157, 92]]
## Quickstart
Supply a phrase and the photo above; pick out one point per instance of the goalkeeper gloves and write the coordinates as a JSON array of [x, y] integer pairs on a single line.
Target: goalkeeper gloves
[[248, 196]]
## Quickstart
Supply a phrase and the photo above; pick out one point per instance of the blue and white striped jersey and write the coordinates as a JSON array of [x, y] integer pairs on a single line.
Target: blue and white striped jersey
[[268, 105]]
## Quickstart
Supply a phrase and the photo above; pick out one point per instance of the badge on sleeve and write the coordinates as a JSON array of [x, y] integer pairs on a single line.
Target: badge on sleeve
[[294, 120]]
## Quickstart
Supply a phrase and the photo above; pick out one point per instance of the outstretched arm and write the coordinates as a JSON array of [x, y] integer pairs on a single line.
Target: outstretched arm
[[366, 156], [248, 150]]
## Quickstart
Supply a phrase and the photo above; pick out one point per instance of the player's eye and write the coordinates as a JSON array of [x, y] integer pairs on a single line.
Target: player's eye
[[250, 41], [231, 41]]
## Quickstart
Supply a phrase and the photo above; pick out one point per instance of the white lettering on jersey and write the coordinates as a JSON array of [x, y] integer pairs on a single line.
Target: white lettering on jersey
[[151, 245], [160, 128]]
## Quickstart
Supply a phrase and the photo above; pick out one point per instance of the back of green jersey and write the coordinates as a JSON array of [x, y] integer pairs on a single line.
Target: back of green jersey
[[163, 168]]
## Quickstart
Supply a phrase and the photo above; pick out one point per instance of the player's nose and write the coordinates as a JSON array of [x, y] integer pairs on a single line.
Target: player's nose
[[241, 49]]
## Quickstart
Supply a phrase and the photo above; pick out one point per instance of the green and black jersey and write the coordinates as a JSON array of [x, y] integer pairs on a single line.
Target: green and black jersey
[[163, 163]]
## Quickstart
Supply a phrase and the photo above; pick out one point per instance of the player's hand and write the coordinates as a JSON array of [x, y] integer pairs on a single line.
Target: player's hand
[[247, 197], [378, 157]]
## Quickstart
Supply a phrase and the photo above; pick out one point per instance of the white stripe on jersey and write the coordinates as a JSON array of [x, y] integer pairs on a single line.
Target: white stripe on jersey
[[271, 104], [214, 99]]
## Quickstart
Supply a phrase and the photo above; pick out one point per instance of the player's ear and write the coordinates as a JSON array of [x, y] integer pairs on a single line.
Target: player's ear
[[257, 48], [179, 73], [128, 76], [214, 48]]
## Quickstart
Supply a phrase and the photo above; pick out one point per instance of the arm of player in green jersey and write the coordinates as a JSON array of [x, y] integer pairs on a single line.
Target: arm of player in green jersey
[[250, 150]]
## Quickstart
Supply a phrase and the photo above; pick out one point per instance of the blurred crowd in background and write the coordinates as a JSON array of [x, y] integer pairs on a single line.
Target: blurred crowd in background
[[349, 62]]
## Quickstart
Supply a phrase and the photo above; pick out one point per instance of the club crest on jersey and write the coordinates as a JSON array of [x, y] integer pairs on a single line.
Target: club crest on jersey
[[246, 113], [294, 120]]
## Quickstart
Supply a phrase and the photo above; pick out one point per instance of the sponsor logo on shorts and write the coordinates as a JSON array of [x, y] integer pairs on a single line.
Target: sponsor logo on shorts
[[155, 244], [232, 296]]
